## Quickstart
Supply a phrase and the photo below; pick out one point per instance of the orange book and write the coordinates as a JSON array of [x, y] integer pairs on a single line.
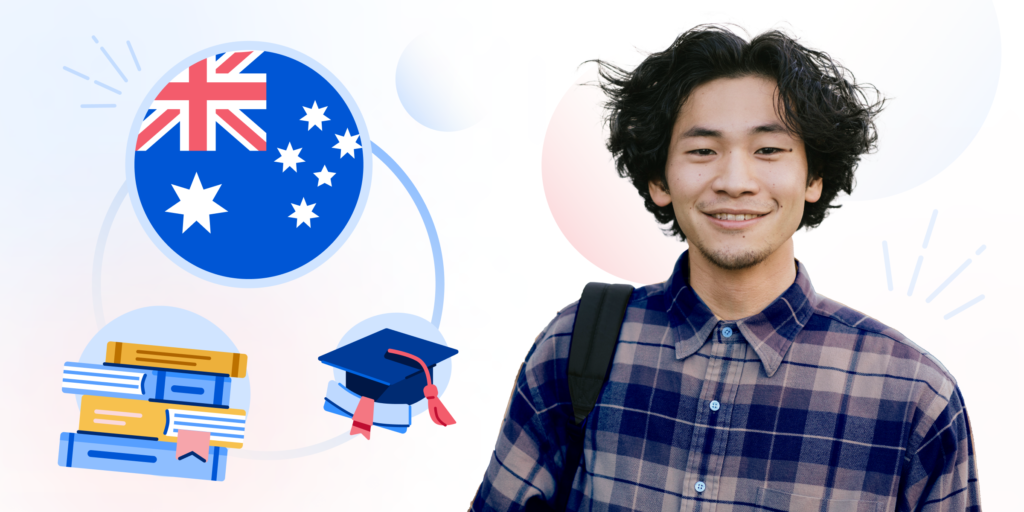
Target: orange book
[[153, 356], [160, 420]]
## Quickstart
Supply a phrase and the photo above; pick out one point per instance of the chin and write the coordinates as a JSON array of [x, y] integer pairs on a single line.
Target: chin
[[734, 259]]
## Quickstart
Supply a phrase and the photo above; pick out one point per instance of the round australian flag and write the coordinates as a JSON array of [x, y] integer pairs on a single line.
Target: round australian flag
[[249, 164]]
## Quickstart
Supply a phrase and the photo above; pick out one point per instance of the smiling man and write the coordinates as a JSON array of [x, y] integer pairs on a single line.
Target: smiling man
[[734, 386]]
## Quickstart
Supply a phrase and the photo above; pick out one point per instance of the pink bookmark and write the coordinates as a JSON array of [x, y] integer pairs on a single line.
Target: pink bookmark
[[191, 442]]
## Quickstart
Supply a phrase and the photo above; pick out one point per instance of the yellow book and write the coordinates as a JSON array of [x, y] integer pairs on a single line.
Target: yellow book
[[172, 358], [161, 421]]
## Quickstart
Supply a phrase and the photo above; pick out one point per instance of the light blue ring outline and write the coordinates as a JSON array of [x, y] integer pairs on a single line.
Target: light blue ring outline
[[266, 281], [435, 248], [428, 223]]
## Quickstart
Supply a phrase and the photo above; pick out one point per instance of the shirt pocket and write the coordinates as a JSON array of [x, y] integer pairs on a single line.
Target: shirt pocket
[[778, 501]]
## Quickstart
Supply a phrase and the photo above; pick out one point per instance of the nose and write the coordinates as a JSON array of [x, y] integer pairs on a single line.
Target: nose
[[736, 176]]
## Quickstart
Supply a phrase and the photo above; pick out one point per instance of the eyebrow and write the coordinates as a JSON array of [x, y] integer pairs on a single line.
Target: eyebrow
[[699, 131]]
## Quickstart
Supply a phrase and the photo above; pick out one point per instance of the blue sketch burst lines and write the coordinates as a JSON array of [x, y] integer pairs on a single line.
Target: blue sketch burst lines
[[107, 87], [134, 58], [969, 303], [102, 85], [913, 279], [888, 268], [947, 281], [76, 73], [917, 272]]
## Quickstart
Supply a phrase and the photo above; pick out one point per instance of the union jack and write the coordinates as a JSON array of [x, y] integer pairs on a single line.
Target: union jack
[[210, 92]]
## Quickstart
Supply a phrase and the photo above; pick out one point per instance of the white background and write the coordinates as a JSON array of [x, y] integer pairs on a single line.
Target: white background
[[508, 267]]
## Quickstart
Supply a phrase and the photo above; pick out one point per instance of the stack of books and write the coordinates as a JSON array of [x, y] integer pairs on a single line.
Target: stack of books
[[137, 403]]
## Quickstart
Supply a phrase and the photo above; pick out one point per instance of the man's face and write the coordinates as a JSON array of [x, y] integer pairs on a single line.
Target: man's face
[[736, 178]]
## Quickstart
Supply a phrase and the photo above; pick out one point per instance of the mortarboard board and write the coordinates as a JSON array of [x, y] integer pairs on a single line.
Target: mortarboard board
[[389, 367]]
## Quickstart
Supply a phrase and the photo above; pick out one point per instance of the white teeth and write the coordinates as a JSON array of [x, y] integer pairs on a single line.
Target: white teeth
[[729, 216]]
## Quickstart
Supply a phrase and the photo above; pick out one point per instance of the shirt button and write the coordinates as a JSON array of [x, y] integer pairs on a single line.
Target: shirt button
[[699, 486], [715, 405], [727, 332]]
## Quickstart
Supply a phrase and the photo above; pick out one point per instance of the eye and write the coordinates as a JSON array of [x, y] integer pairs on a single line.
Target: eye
[[768, 151], [702, 152]]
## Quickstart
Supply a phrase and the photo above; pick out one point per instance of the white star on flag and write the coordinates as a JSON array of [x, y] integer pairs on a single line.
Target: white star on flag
[[315, 117], [303, 213], [195, 204], [324, 177], [347, 144], [289, 158]]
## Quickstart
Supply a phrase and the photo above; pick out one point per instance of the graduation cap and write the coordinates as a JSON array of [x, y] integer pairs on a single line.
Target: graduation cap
[[389, 367]]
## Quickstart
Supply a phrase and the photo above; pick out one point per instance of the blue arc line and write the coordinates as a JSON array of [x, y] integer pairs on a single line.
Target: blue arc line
[[97, 41], [97, 268], [134, 58], [97, 258], [980, 250], [76, 73], [913, 279], [435, 246], [931, 224], [246, 453], [107, 87], [947, 281], [960, 309], [112, 63], [98, 105], [888, 269]]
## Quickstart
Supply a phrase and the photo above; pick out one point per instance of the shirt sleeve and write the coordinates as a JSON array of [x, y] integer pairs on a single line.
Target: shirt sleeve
[[942, 471], [528, 456]]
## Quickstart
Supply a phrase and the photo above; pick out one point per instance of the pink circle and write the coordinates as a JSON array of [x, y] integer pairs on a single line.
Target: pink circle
[[600, 213]]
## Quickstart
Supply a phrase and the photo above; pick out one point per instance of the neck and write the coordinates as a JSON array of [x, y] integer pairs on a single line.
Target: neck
[[736, 294]]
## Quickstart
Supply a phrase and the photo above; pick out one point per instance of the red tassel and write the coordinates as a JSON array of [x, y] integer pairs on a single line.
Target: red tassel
[[362, 419], [438, 412]]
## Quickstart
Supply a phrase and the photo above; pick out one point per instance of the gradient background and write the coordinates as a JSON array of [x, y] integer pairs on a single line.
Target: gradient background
[[478, 165]]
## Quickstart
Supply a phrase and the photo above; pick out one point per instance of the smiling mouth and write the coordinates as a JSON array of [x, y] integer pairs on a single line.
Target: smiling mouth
[[735, 217]]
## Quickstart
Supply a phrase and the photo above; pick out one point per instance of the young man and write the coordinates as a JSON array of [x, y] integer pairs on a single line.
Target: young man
[[734, 386]]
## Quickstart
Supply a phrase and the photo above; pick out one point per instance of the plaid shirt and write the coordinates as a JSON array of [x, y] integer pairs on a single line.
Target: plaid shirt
[[807, 405]]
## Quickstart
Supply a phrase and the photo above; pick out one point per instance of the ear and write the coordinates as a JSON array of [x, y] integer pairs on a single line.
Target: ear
[[813, 192], [659, 193]]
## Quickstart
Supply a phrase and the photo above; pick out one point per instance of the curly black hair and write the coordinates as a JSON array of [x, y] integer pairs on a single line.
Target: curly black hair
[[820, 102]]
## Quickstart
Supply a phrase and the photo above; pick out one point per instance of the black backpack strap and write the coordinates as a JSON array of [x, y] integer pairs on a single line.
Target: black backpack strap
[[594, 336]]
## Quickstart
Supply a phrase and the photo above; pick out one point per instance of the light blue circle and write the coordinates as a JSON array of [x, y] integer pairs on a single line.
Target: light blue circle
[[715, 406], [430, 88], [727, 332], [699, 486], [185, 264], [167, 326], [406, 324], [944, 91]]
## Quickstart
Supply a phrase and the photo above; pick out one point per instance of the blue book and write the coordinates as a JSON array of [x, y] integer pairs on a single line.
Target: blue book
[[134, 455], [146, 384]]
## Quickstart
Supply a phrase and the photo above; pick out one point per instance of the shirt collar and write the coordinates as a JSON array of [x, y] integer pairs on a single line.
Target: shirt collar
[[770, 332]]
